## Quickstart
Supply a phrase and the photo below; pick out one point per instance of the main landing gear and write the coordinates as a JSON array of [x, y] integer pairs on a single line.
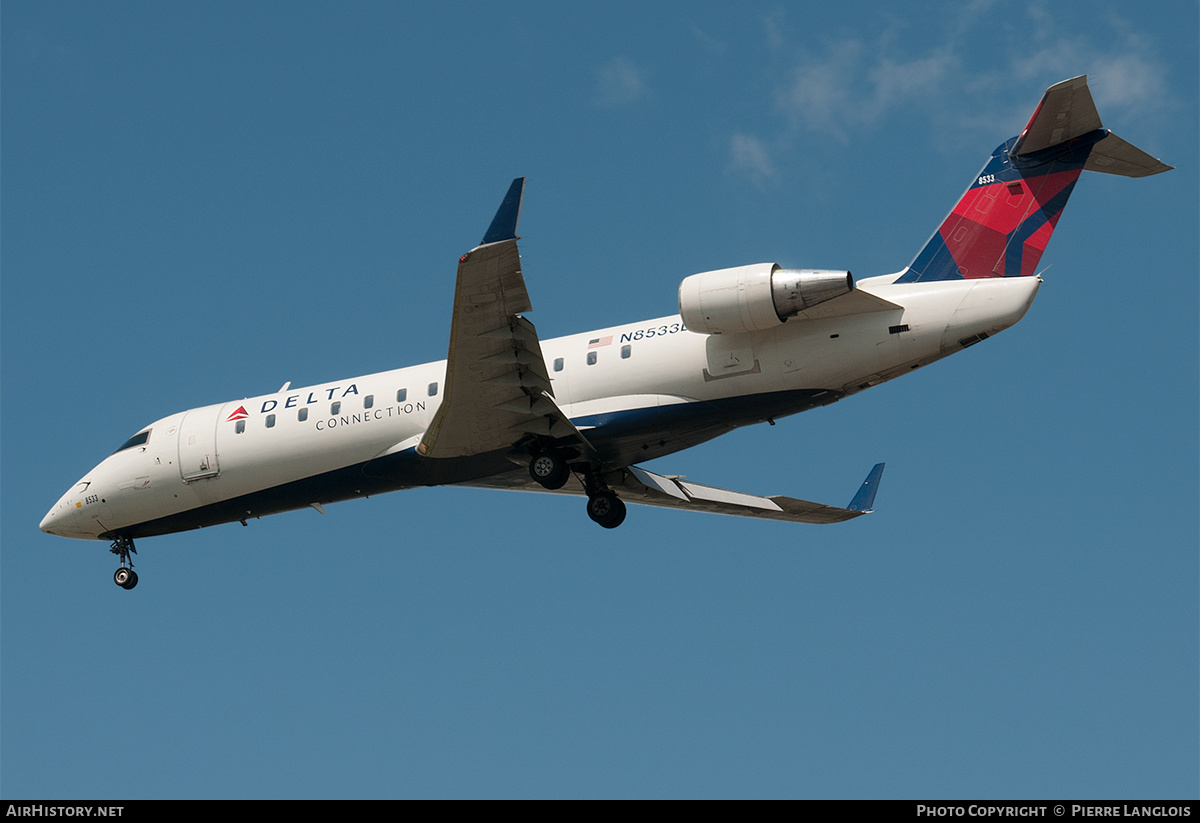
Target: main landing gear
[[125, 577], [606, 509], [550, 469], [603, 506]]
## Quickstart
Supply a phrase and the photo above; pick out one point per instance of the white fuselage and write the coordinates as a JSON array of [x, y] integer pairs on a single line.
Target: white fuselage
[[302, 447]]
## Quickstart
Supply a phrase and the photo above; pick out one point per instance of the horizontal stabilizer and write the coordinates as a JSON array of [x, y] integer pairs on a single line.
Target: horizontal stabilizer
[[1067, 111], [1112, 155]]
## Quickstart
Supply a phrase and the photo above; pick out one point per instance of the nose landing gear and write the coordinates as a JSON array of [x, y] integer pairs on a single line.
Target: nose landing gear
[[125, 577]]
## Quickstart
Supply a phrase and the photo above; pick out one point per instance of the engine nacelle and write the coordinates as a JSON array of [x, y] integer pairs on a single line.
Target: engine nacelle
[[755, 298]]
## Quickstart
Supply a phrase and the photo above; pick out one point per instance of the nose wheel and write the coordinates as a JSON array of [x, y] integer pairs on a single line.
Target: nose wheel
[[125, 577]]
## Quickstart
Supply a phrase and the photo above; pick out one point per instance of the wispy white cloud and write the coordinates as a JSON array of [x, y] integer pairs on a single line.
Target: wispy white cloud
[[851, 84], [619, 81], [1124, 74], [818, 96], [773, 29], [750, 158], [895, 83], [1129, 81], [710, 44]]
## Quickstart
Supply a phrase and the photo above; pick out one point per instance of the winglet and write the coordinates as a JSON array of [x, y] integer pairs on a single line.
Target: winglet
[[504, 224], [865, 499]]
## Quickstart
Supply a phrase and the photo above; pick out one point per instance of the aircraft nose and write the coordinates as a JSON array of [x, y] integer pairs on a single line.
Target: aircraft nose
[[62, 519], [56, 520]]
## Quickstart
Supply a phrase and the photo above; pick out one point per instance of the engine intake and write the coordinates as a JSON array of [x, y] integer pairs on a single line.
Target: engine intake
[[755, 298]]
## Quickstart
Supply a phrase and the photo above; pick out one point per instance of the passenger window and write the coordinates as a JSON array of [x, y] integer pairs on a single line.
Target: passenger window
[[401, 395], [240, 427], [335, 407], [558, 364], [270, 421], [432, 389], [302, 415], [625, 351], [368, 401], [591, 359]]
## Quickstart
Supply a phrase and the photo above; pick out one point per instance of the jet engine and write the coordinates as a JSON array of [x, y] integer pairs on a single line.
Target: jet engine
[[755, 298]]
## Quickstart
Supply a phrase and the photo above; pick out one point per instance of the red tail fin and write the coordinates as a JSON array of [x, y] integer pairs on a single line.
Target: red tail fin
[[1002, 224]]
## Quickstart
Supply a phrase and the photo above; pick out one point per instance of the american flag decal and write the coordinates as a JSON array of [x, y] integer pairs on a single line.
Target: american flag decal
[[599, 342]]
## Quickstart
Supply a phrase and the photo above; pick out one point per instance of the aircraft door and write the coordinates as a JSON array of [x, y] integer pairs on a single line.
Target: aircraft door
[[198, 444], [559, 384]]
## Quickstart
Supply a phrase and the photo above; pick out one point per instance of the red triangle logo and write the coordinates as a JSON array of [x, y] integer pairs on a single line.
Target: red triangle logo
[[240, 414]]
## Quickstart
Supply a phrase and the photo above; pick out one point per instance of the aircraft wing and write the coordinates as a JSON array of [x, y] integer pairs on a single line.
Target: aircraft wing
[[637, 485], [497, 390]]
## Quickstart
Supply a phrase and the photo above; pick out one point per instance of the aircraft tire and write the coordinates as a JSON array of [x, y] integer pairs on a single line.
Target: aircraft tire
[[549, 469], [606, 509], [125, 578]]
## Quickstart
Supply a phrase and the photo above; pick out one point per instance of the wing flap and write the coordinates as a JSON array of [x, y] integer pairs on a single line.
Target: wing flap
[[711, 494]]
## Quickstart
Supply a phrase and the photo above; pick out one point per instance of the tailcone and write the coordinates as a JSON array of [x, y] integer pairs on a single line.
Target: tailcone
[[989, 307]]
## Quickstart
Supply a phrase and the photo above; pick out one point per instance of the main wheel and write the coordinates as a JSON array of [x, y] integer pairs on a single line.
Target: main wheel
[[549, 469], [125, 578], [606, 509]]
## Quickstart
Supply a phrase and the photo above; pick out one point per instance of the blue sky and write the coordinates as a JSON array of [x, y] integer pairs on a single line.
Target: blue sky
[[201, 201]]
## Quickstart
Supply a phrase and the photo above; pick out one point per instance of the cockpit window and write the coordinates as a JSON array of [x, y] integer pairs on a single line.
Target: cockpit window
[[138, 439]]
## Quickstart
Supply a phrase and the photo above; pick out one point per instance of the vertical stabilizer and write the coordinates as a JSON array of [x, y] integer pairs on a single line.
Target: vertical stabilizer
[[1003, 222]]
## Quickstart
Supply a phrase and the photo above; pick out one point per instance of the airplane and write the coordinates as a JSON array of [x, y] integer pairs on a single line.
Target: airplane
[[577, 415]]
